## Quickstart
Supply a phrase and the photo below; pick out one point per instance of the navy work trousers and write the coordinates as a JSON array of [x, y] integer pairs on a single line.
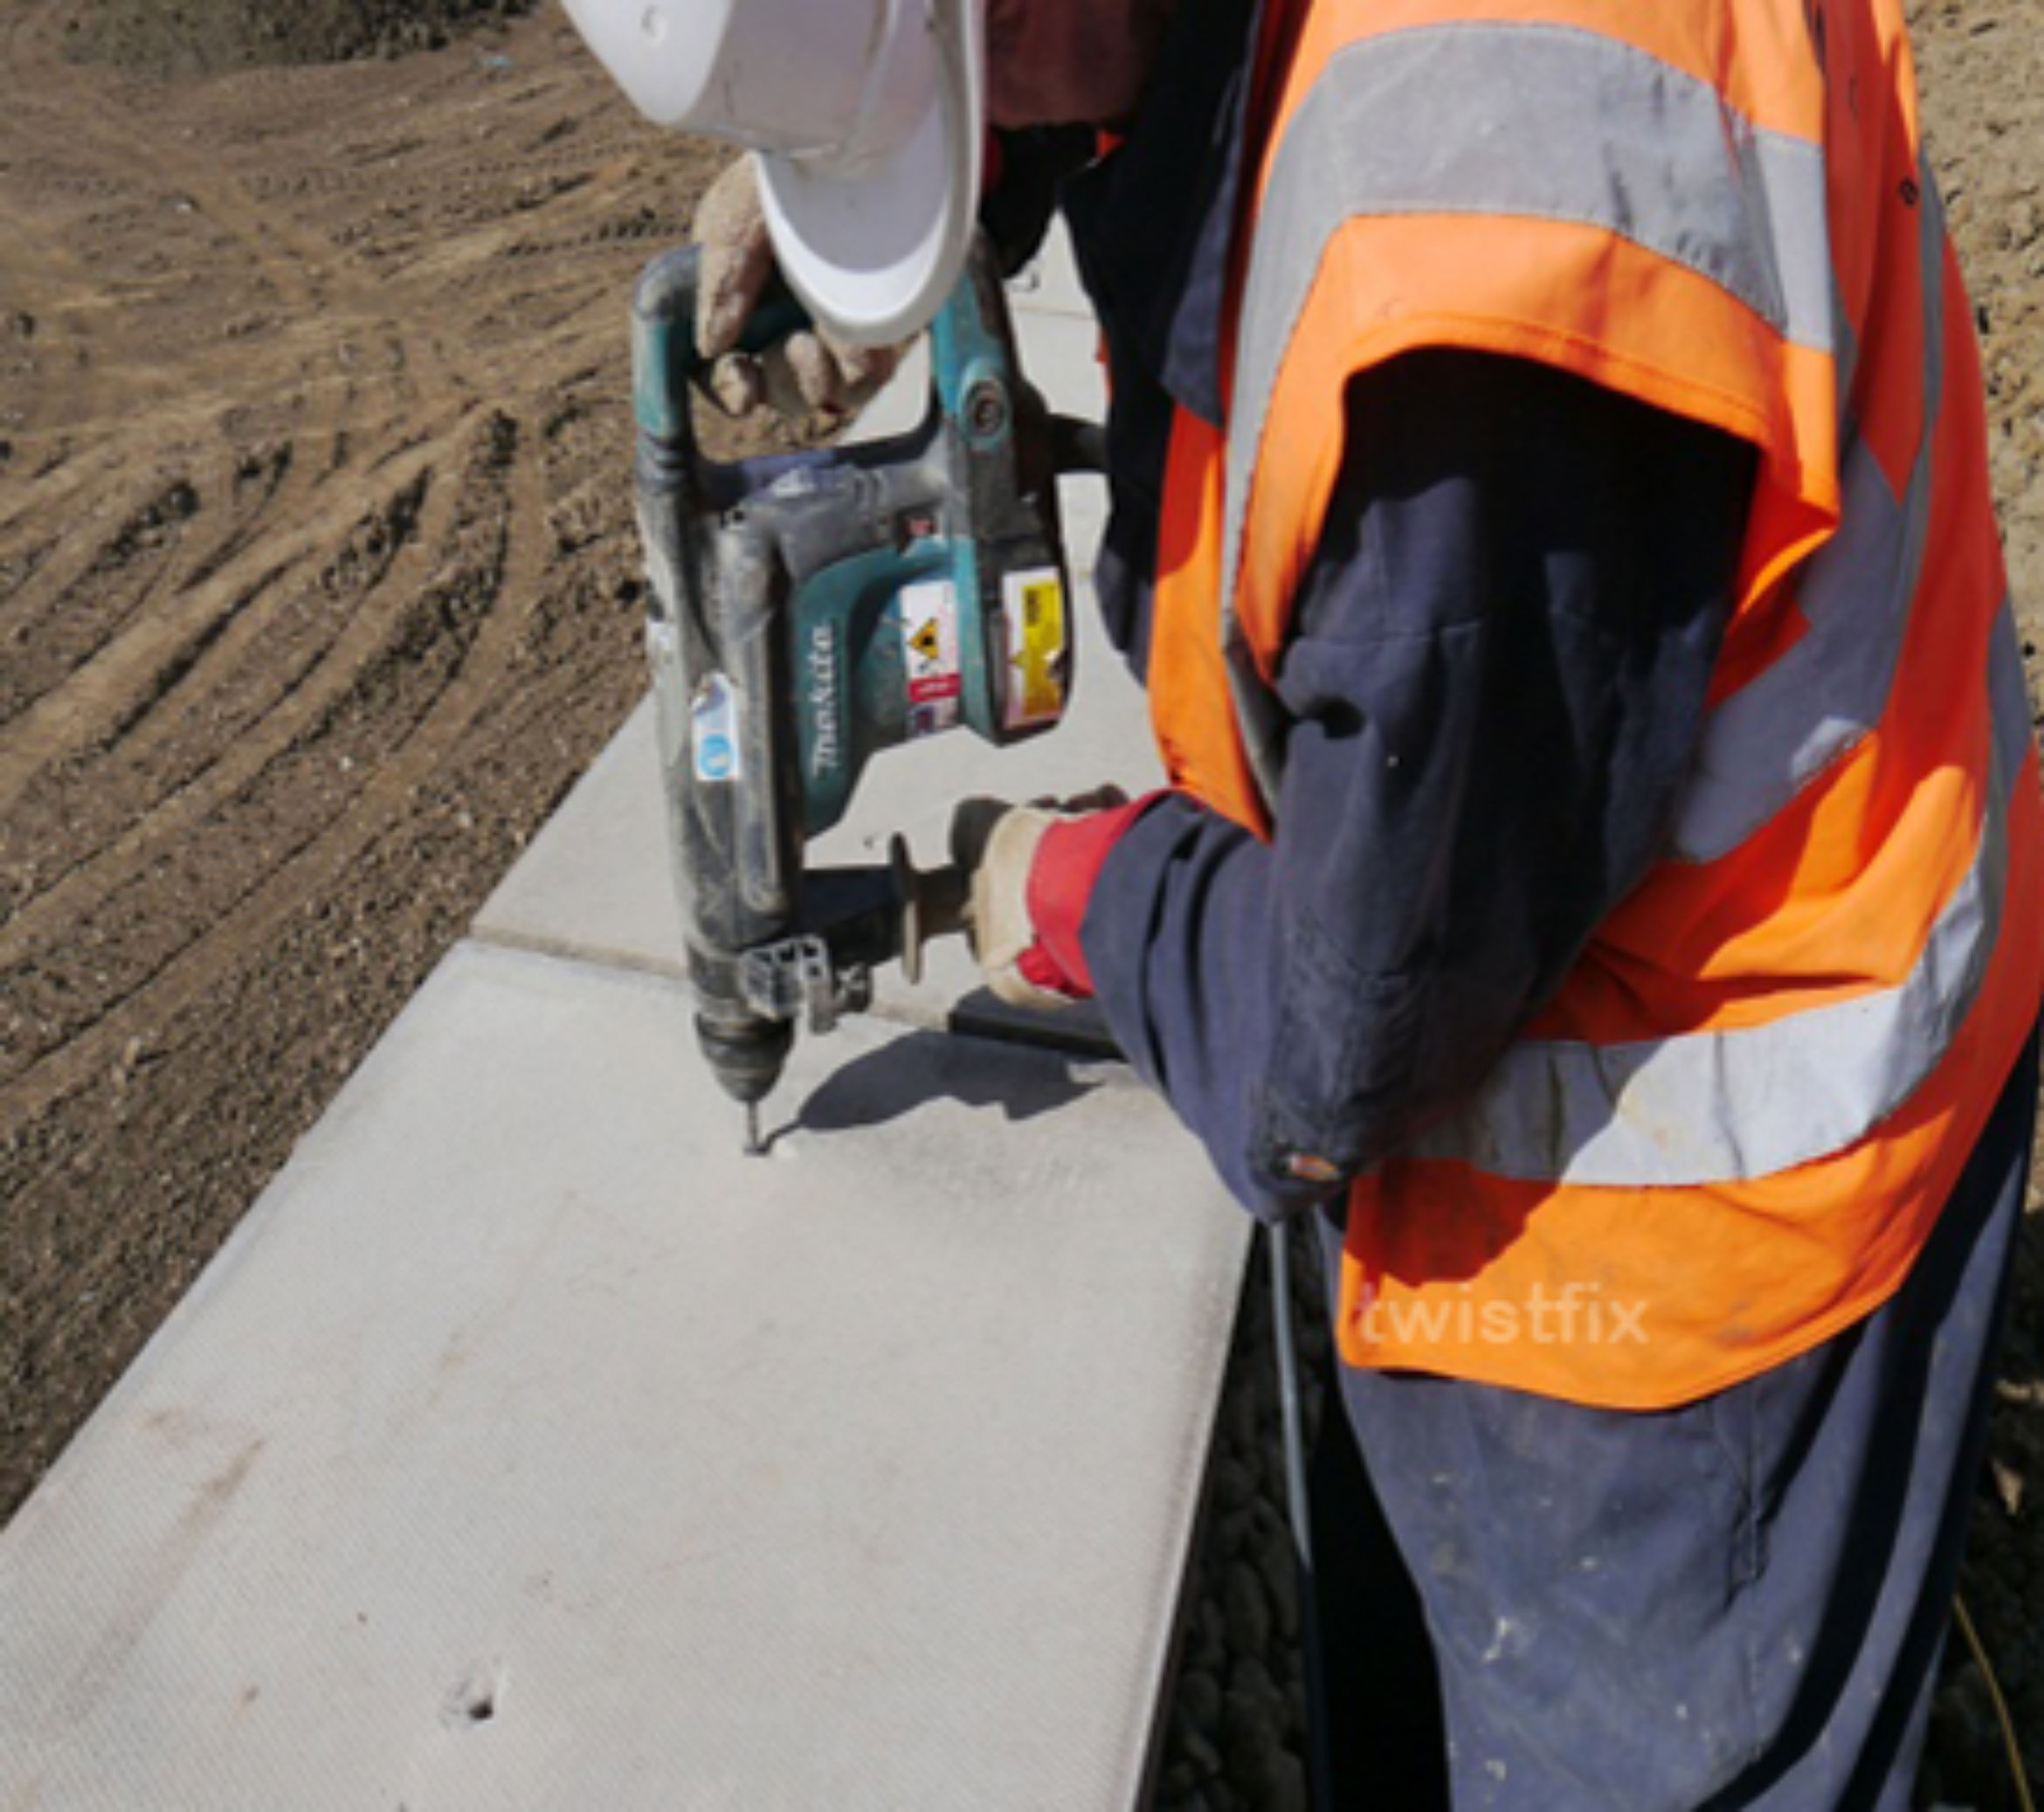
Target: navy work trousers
[[1737, 1603]]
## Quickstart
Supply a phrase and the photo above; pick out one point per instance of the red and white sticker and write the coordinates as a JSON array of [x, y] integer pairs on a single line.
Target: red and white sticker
[[929, 656]]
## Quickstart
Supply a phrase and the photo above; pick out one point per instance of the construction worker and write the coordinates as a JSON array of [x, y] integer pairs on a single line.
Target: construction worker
[[1601, 879]]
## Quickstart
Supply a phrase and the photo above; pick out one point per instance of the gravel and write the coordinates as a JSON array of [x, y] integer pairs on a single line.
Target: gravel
[[1233, 1732]]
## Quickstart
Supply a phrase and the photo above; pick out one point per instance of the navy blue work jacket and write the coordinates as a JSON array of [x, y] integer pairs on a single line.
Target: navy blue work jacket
[[1493, 681]]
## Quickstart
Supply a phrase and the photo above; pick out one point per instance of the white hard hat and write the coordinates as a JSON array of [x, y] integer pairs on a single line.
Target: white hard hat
[[866, 115]]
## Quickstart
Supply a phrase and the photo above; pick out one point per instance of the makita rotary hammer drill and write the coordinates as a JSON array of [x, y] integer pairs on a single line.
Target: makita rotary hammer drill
[[810, 609]]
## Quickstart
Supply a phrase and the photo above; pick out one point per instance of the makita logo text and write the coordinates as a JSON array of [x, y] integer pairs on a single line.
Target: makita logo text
[[825, 752]]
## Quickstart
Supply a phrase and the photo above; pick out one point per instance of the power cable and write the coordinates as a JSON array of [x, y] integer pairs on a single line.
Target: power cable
[[1319, 1784], [1964, 1619]]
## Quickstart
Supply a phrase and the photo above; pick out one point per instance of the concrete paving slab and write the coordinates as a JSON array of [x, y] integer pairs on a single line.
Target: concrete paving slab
[[597, 882], [528, 1446], [1060, 357]]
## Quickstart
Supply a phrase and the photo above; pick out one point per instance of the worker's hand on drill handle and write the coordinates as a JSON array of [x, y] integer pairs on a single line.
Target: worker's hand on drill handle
[[809, 370], [1033, 869]]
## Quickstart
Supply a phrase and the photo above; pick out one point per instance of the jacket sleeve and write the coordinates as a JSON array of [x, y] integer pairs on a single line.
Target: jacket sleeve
[[1495, 681]]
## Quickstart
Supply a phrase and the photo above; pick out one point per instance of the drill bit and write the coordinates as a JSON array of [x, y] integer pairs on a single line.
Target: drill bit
[[753, 1147]]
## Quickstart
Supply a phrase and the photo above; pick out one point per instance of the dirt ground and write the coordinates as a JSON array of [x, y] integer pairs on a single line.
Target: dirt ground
[[204, 36], [318, 588]]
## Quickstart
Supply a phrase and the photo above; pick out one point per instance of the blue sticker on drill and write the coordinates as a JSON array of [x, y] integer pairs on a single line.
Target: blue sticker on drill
[[713, 722]]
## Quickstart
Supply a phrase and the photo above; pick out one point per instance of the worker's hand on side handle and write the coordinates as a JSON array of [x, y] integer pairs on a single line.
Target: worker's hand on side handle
[[810, 371], [1033, 869]]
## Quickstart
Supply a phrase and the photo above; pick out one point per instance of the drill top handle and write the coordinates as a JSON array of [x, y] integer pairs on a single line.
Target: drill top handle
[[970, 341], [665, 359]]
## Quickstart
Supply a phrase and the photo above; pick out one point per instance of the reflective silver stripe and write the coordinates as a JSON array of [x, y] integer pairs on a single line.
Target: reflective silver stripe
[[2009, 697], [1718, 1107], [1810, 708], [1557, 123], [1845, 357]]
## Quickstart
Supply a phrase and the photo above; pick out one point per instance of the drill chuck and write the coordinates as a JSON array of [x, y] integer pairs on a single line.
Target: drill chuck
[[745, 1055]]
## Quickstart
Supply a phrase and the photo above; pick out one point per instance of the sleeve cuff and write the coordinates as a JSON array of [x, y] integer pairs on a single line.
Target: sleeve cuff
[[1068, 862]]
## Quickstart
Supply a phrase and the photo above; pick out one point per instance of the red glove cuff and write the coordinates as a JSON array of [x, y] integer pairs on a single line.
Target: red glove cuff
[[1068, 862]]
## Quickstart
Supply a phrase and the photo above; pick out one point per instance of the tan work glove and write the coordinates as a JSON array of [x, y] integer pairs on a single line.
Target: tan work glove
[[999, 924], [812, 369], [999, 844]]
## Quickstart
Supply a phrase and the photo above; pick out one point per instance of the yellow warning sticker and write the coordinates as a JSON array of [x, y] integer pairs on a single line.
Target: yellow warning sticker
[[1038, 647]]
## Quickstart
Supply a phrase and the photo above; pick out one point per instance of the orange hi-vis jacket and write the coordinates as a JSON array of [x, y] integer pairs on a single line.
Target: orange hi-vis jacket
[[1729, 1135]]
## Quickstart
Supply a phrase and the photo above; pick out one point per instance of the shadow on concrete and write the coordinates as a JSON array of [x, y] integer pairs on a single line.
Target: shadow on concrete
[[910, 1072]]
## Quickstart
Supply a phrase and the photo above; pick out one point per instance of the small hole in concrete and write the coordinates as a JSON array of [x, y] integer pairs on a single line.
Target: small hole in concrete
[[473, 1698]]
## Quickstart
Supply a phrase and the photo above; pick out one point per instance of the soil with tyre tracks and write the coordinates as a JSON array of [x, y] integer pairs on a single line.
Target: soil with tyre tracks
[[318, 588]]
